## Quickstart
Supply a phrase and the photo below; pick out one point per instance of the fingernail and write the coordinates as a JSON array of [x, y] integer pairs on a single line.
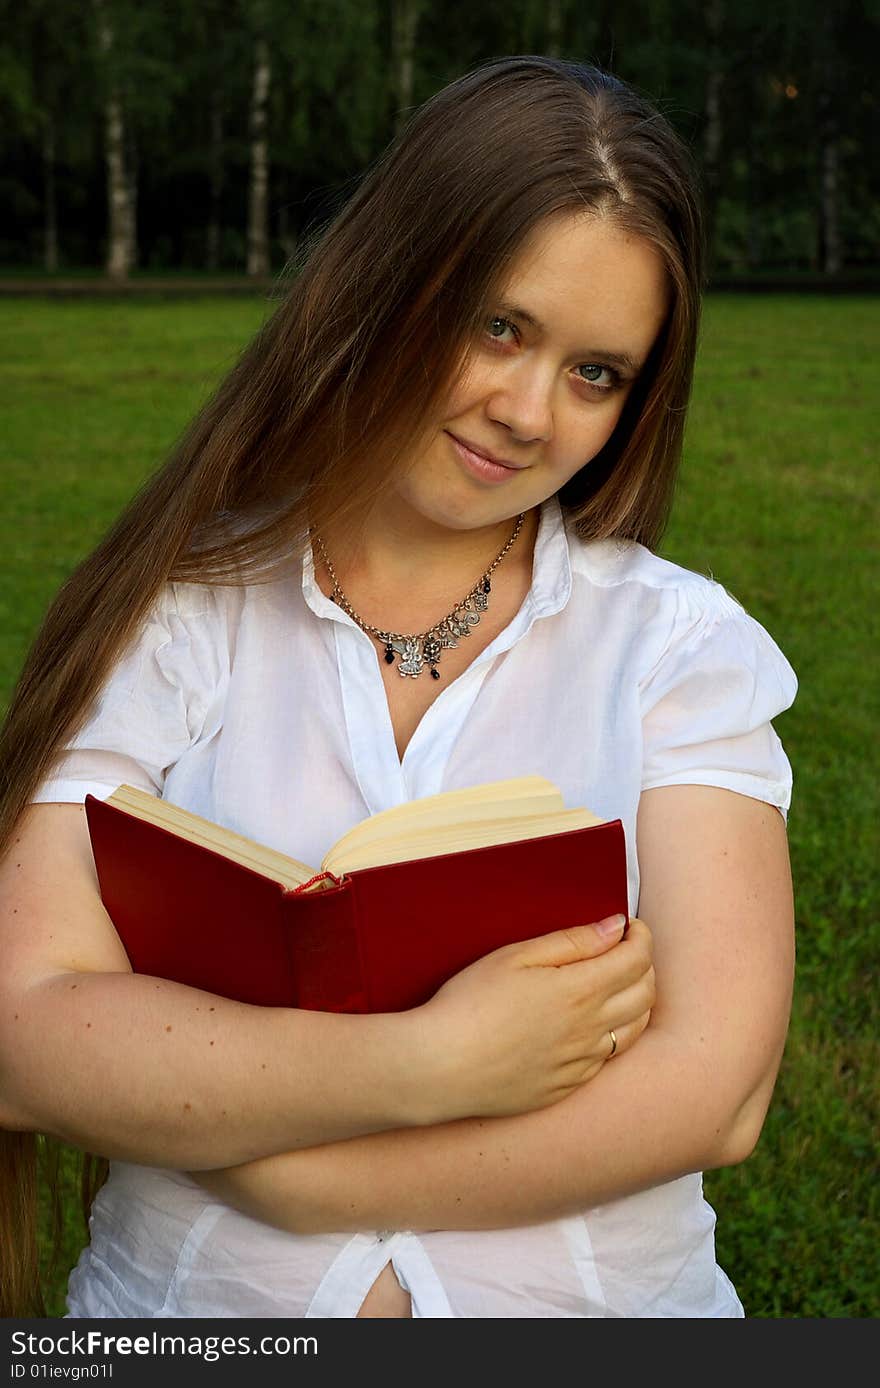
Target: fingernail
[[611, 925]]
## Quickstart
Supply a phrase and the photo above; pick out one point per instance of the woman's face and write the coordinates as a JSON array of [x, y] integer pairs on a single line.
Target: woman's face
[[544, 385]]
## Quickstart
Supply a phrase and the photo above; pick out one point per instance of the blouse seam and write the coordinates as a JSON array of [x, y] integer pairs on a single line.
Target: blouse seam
[[118, 1289], [195, 1238], [698, 776], [694, 621], [684, 583]]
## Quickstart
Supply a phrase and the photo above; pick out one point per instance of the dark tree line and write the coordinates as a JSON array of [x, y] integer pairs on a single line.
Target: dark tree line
[[208, 134]]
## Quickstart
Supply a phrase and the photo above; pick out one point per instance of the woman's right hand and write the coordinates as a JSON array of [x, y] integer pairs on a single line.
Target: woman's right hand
[[531, 1022]]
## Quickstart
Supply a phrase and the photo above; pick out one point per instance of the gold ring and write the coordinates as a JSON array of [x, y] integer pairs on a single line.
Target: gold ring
[[613, 1044]]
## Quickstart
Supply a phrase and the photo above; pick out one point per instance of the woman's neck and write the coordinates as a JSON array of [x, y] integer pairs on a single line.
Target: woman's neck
[[414, 574]]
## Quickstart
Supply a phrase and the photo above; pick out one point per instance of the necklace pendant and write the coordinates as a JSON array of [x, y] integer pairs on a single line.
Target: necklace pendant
[[463, 620], [417, 651], [410, 649], [431, 649]]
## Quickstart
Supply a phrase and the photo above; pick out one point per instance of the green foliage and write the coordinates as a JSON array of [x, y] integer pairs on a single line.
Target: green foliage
[[792, 78], [778, 500]]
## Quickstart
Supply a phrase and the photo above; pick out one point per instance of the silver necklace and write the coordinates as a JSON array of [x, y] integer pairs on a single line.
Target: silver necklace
[[425, 648]]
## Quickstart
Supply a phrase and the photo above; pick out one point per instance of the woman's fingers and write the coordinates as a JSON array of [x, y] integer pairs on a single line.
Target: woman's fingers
[[596, 981], [571, 945], [528, 1023], [625, 1034]]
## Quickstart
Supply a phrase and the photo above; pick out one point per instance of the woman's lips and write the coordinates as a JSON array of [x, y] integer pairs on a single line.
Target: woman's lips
[[480, 466]]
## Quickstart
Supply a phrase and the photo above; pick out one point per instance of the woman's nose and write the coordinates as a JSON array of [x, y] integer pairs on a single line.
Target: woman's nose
[[524, 405]]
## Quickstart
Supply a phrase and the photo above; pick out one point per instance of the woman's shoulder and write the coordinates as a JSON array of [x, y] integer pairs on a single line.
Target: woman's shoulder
[[613, 565], [258, 591], [675, 622], [192, 601], [214, 607]]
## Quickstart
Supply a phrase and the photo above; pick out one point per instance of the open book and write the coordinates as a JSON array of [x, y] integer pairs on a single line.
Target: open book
[[494, 812], [399, 903]]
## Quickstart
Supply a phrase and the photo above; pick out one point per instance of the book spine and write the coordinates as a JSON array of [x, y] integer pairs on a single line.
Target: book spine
[[325, 956]]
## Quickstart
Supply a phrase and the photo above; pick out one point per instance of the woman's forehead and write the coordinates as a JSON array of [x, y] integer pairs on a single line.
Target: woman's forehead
[[585, 272]]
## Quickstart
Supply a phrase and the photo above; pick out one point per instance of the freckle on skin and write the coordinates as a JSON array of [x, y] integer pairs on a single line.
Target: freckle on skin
[[212, 1043], [88, 1024], [167, 1028], [187, 1107]]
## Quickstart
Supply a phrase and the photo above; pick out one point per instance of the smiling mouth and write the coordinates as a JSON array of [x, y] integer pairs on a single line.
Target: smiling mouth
[[481, 453]]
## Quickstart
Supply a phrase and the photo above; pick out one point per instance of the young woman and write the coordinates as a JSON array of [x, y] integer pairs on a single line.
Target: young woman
[[482, 370]]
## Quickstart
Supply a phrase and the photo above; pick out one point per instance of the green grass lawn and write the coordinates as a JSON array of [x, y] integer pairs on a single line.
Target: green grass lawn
[[777, 500]]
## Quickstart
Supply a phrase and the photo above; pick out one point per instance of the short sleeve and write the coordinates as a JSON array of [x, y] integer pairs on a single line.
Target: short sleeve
[[158, 702], [708, 702]]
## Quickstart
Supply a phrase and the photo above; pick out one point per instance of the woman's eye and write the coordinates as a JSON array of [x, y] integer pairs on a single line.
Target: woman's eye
[[497, 327], [592, 373]]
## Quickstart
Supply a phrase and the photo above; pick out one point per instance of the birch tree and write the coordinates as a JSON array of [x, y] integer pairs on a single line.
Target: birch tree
[[712, 130], [258, 259], [829, 149], [121, 228], [404, 29], [553, 43]]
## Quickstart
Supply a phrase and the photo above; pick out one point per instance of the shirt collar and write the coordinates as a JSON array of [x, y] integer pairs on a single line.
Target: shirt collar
[[551, 571], [551, 565]]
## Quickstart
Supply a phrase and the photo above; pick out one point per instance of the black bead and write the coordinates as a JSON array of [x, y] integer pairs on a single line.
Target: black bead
[[487, 586], [389, 656], [435, 674]]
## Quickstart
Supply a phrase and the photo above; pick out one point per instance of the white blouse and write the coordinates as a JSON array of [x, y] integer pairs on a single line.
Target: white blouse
[[263, 708]]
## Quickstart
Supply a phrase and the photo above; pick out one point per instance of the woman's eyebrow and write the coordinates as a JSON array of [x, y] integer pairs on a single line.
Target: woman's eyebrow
[[621, 359]]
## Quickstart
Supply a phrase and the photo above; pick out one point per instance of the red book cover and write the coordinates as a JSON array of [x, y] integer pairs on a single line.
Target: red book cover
[[379, 939]]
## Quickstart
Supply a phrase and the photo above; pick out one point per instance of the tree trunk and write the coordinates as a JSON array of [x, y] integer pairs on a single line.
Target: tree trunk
[[119, 215], [832, 259], [212, 248], [50, 212], [713, 131], [753, 101], [831, 256], [131, 171], [404, 27], [286, 233], [258, 196], [553, 41]]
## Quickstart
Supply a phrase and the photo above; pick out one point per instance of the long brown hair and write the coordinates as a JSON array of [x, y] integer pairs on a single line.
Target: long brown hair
[[332, 393]]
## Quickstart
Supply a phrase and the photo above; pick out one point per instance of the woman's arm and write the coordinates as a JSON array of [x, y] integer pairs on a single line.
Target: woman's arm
[[146, 1070], [690, 1095]]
